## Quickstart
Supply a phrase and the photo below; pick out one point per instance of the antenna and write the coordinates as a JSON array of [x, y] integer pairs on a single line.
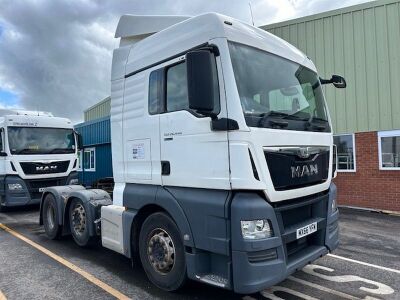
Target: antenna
[[251, 13]]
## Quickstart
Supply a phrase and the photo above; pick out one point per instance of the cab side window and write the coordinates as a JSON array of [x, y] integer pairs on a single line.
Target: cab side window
[[177, 88], [168, 89], [155, 91]]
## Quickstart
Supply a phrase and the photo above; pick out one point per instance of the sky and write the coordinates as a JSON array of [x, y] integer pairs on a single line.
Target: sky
[[55, 55]]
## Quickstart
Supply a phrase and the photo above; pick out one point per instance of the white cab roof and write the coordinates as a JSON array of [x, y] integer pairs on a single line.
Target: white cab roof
[[187, 34], [34, 121], [131, 25]]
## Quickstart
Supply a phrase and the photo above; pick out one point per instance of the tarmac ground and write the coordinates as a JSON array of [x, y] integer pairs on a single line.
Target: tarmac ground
[[365, 266]]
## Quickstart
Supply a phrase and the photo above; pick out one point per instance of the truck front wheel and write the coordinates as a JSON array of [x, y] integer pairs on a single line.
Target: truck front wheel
[[50, 217], [162, 252]]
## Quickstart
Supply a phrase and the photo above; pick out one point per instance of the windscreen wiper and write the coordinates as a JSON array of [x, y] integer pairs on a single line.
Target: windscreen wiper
[[282, 115], [320, 127], [24, 150], [272, 113], [61, 150]]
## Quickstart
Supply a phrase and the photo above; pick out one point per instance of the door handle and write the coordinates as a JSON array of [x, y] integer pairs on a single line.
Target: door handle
[[165, 167], [168, 138]]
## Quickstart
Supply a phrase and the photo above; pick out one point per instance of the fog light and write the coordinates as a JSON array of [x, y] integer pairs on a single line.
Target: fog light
[[74, 181], [14, 186], [256, 229]]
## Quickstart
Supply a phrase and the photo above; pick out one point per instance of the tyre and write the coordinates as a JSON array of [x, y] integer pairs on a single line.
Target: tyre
[[162, 253], [51, 217], [79, 222]]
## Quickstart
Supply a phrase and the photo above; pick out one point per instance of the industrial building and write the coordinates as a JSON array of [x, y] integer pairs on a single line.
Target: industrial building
[[361, 43], [95, 158]]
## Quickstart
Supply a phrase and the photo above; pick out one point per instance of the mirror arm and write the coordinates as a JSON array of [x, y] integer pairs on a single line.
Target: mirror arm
[[325, 81]]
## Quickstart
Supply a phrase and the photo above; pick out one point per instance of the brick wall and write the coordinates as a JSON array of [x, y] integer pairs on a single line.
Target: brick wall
[[369, 187]]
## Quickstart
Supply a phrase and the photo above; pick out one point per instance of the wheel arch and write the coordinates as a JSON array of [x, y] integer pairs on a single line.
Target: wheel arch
[[162, 202], [60, 194], [92, 201]]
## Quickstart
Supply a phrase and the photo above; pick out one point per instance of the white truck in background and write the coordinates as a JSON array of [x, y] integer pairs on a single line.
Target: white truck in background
[[223, 157], [37, 150]]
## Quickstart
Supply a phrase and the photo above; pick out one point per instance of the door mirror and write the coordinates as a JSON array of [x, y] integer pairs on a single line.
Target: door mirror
[[337, 80], [79, 140], [201, 77]]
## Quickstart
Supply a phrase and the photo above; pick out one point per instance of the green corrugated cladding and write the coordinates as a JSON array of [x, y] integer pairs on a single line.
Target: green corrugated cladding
[[99, 110], [362, 43]]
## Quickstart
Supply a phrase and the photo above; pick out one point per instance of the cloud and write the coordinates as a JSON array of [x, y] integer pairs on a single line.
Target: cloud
[[56, 55]]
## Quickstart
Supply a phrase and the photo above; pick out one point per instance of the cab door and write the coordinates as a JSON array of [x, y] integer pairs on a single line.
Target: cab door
[[192, 153], [141, 143]]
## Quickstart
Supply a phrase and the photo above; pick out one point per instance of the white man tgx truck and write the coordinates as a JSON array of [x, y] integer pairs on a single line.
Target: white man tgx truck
[[37, 150], [222, 155]]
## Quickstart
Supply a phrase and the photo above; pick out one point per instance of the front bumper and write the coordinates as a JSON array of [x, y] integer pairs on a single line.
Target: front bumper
[[30, 192], [259, 264]]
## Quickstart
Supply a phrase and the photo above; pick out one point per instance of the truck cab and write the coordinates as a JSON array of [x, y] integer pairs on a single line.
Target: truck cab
[[225, 127], [37, 151], [222, 154]]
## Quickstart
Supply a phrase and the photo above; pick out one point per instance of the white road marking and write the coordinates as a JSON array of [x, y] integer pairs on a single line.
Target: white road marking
[[328, 290], [382, 289], [269, 293], [364, 263]]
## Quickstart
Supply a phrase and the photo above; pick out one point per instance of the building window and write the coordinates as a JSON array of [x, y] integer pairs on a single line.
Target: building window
[[389, 150], [80, 156], [346, 156], [89, 159]]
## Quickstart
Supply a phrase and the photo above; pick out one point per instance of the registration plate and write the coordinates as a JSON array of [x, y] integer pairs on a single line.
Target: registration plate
[[41, 190], [306, 230]]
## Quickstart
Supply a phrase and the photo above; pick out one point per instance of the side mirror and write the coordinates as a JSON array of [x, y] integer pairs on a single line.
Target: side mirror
[[338, 81], [200, 66], [2, 153], [79, 140]]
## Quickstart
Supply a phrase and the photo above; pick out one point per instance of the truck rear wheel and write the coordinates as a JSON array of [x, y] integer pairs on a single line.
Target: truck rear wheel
[[162, 252], [79, 222], [50, 217]]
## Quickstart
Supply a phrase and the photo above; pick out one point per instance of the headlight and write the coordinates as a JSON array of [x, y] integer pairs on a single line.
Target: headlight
[[14, 186], [256, 229], [334, 205], [74, 181]]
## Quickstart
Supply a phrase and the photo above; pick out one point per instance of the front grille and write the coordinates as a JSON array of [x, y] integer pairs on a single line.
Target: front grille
[[300, 213], [38, 168], [34, 185], [289, 171]]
